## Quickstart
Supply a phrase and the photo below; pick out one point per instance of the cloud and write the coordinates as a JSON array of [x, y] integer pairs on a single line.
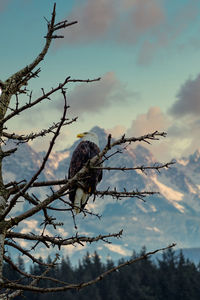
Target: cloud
[[3, 4], [94, 97], [84, 99], [169, 31], [149, 122], [118, 249], [145, 22], [184, 136], [71, 249], [62, 232], [32, 226], [188, 102], [179, 140], [185, 112], [91, 98], [153, 120], [147, 14], [141, 18], [113, 19], [117, 131], [182, 133], [95, 18]]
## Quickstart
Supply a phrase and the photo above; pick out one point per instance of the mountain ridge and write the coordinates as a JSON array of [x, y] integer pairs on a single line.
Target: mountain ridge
[[171, 216]]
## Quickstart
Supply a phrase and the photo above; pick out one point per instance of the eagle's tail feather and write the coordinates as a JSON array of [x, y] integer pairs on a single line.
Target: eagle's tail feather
[[80, 199], [85, 198], [77, 200]]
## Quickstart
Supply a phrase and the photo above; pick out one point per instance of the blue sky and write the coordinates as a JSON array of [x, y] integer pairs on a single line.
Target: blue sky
[[146, 51]]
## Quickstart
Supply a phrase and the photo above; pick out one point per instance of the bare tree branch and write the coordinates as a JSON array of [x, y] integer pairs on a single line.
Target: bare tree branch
[[14, 83], [156, 167], [24, 252], [32, 136], [20, 78], [35, 176], [34, 282], [81, 174], [30, 104], [92, 163], [63, 242], [144, 138], [13, 192], [28, 275], [134, 194]]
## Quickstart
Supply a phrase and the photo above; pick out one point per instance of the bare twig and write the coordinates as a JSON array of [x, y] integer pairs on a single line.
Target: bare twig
[[34, 281], [24, 252], [144, 138], [156, 167], [82, 173], [28, 275], [23, 73], [43, 97], [35, 176], [16, 85], [124, 194], [31, 136], [62, 242]]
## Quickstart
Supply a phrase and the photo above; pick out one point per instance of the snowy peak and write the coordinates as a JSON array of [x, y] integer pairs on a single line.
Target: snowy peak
[[195, 158], [173, 196], [141, 155], [173, 215]]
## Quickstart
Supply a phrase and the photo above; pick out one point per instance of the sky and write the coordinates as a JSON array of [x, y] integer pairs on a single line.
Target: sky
[[147, 53]]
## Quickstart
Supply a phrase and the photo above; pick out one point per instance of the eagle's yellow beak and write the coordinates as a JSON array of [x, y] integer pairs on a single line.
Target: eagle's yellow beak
[[80, 135]]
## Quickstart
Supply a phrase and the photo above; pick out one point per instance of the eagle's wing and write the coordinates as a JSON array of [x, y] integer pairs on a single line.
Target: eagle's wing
[[83, 152], [79, 157]]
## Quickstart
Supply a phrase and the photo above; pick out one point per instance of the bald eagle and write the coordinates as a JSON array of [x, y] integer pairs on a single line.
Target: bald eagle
[[86, 149]]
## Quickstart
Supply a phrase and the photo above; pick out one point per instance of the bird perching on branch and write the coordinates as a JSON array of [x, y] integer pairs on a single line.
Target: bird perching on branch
[[81, 191]]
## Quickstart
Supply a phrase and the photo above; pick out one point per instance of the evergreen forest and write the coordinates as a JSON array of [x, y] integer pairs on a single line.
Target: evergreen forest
[[169, 277]]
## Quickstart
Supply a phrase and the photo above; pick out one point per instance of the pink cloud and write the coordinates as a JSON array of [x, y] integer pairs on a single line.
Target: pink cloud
[[123, 20], [153, 120], [149, 122], [94, 17], [116, 131], [98, 95], [147, 14], [146, 22], [3, 4], [143, 17], [90, 98], [182, 133]]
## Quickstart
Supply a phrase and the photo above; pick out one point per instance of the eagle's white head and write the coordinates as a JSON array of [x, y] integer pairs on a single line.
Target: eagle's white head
[[89, 136]]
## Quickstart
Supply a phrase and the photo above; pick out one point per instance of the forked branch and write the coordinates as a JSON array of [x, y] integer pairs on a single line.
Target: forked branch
[[35, 176], [80, 175], [63, 242], [21, 77]]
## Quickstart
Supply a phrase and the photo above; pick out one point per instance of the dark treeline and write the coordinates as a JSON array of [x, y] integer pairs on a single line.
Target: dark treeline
[[170, 277]]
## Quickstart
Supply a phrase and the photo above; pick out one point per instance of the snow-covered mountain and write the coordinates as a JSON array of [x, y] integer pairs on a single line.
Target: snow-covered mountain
[[171, 216]]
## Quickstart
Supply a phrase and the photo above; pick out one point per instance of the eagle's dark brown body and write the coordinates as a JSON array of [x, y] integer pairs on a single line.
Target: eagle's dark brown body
[[83, 152]]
